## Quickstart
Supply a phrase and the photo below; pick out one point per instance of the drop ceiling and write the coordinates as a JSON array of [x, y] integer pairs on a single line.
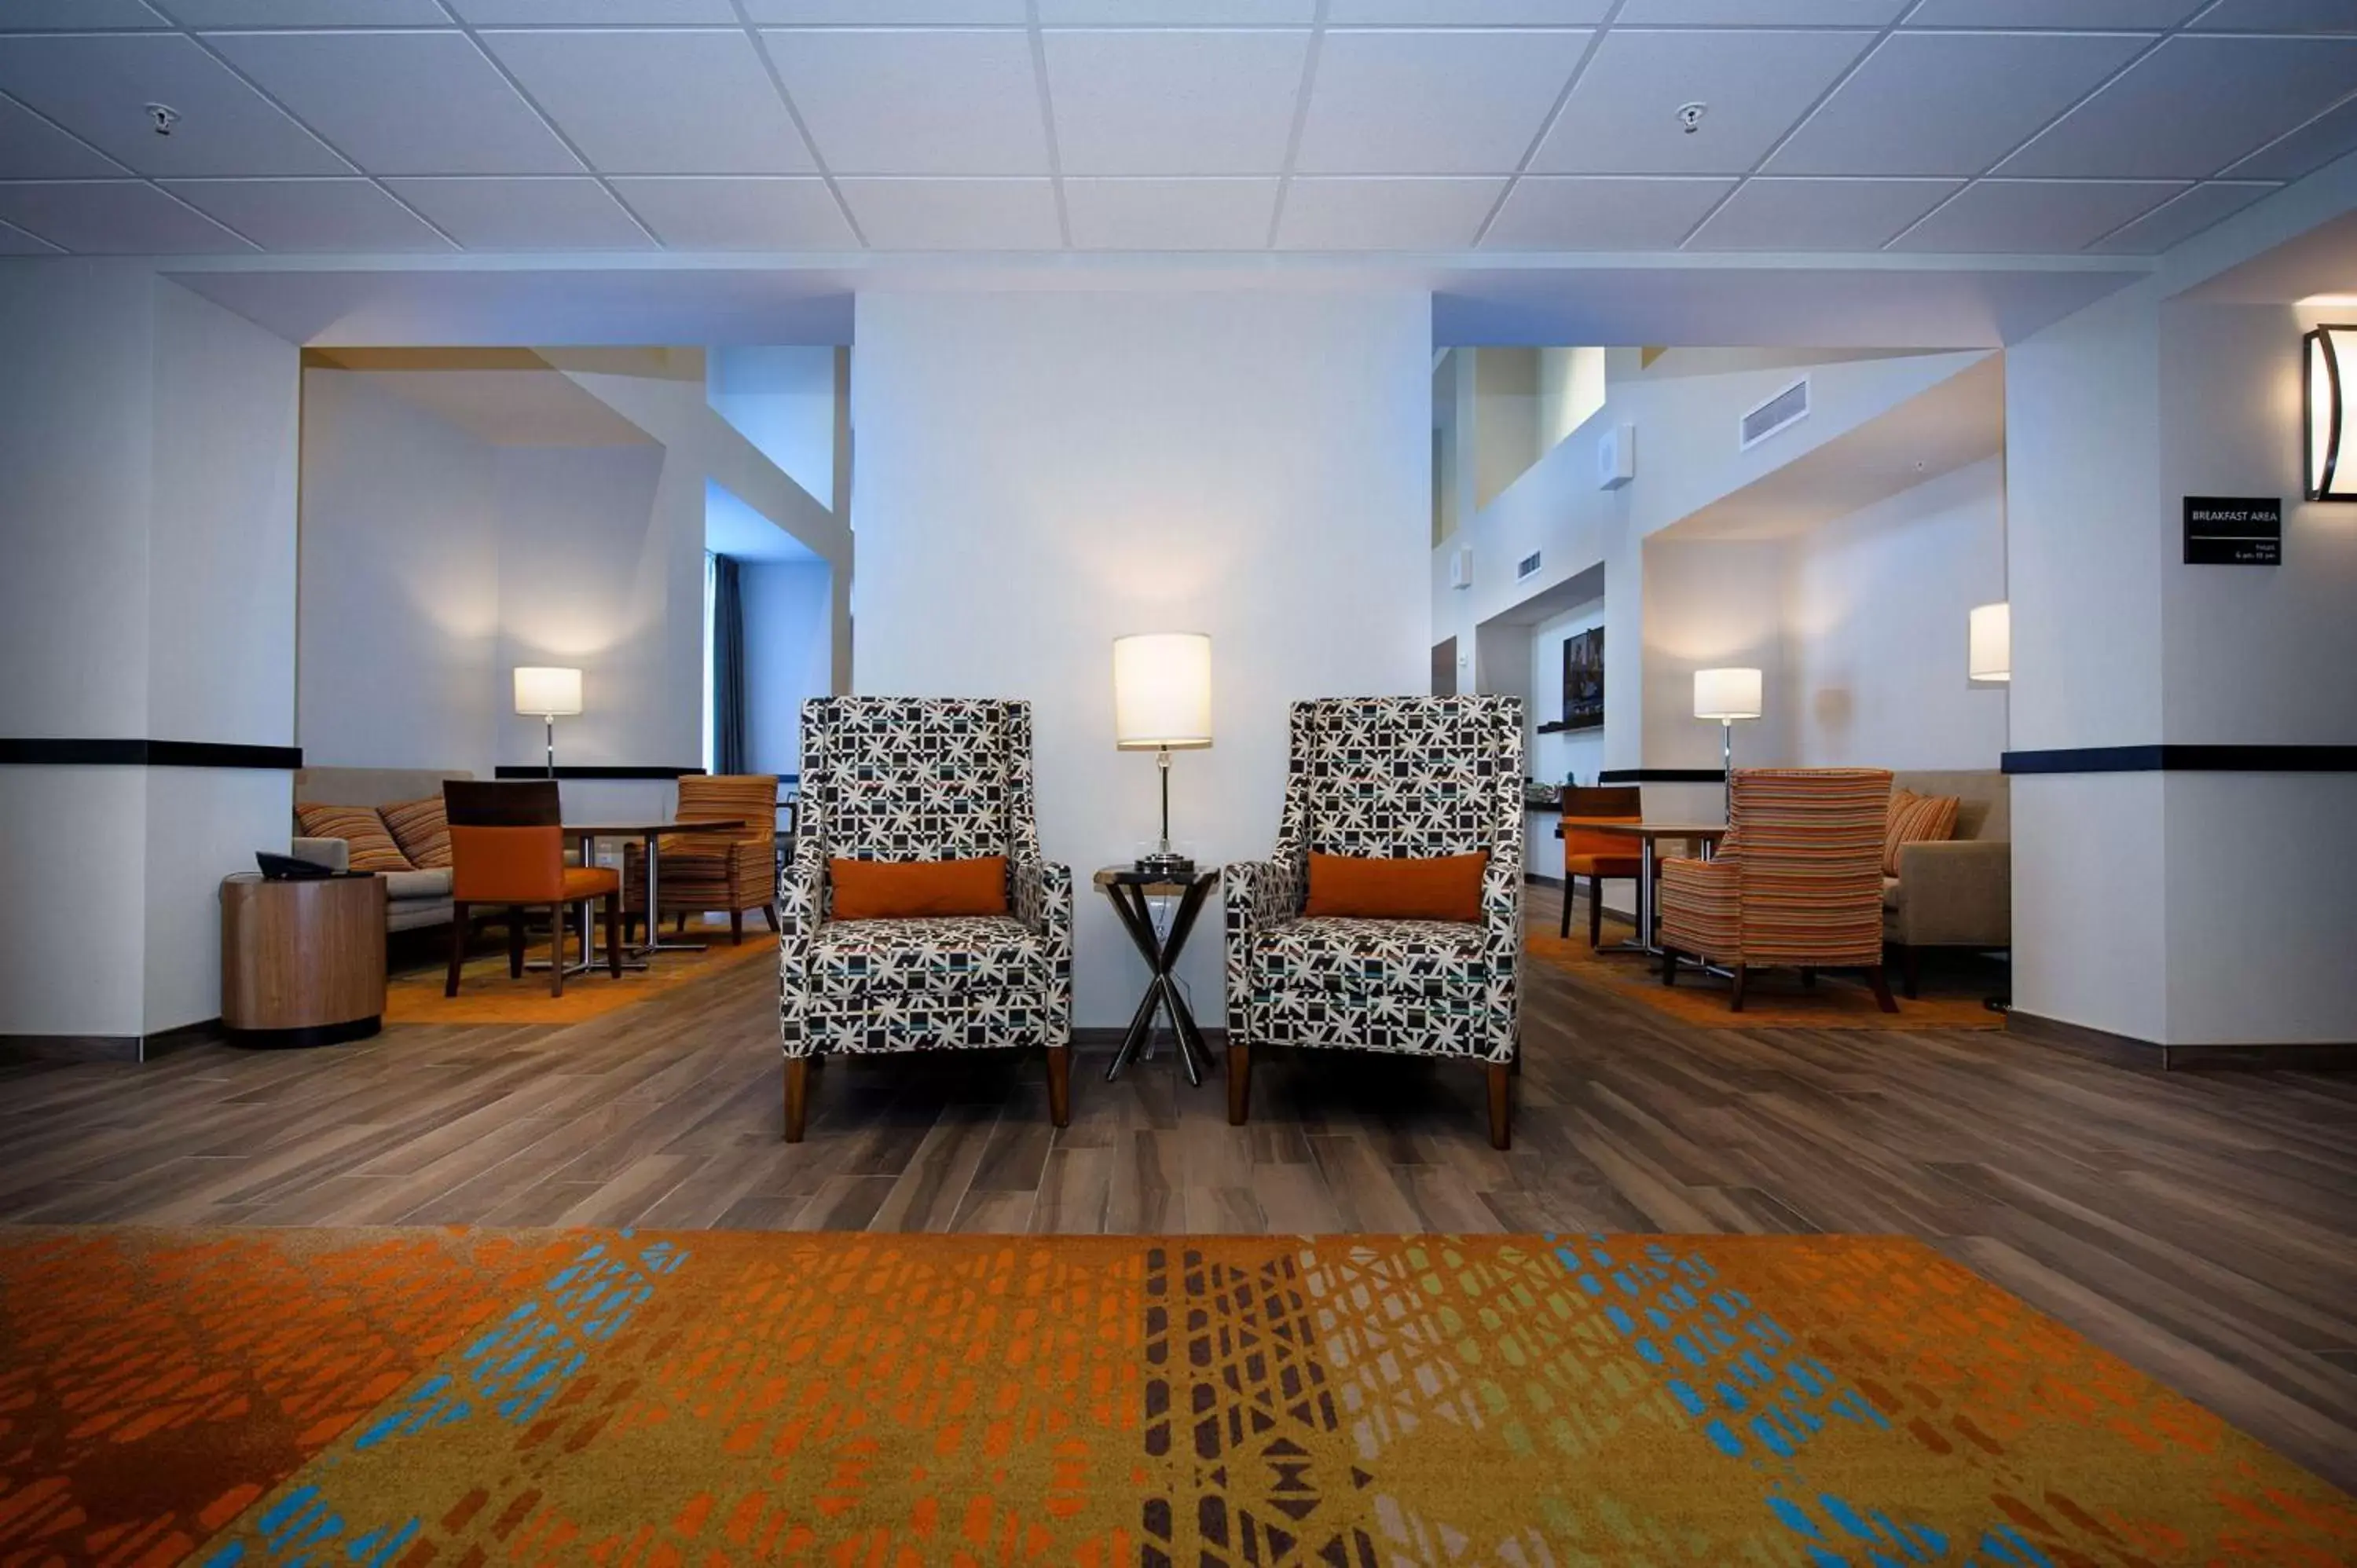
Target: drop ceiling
[[391, 127]]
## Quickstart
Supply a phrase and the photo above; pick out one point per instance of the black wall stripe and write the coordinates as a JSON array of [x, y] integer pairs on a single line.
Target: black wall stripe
[[1660, 775], [513, 771], [2186, 759], [125, 752]]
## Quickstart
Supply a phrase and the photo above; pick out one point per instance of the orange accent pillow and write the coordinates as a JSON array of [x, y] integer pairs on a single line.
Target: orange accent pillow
[[372, 848], [1917, 819], [903, 890], [1441, 887], [422, 829]]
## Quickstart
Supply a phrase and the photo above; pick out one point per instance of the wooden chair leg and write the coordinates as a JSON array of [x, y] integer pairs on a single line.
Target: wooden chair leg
[[1911, 970], [515, 942], [1570, 886], [736, 928], [1875, 978], [1735, 998], [679, 923], [614, 935], [1060, 1085], [1239, 1084], [797, 1096], [1501, 1111], [770, 913], [1595, 913], [556, 924], [459, 921], [1669, 966]]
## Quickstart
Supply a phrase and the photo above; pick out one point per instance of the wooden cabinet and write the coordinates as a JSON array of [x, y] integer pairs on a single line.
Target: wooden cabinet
[[302, 962]]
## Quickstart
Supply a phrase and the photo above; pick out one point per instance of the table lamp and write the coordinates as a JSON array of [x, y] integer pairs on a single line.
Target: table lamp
[[1162, 703], [1727, 695], [547, 691]]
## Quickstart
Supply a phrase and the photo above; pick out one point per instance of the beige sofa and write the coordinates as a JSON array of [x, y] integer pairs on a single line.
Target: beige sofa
[[412, 898], [1958, 894]]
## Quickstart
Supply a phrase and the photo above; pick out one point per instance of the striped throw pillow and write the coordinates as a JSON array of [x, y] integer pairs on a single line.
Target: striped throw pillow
[[421, 830], [358, 826], [1917, 819]]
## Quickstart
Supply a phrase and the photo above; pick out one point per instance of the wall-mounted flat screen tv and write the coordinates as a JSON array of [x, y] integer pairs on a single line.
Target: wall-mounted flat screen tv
[[1583, 680]]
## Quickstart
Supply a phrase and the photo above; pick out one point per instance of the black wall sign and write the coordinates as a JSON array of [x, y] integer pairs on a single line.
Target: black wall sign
[[2233, 531]]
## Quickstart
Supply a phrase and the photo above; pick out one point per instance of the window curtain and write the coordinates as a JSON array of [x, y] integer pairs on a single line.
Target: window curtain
[[727, 668]]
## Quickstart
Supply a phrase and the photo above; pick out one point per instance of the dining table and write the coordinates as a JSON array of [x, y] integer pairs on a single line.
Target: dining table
[[1703, 836], [649, 831]]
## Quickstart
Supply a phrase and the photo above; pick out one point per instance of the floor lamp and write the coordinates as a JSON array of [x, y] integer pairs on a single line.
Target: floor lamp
[[1727, 695], [548, 691]]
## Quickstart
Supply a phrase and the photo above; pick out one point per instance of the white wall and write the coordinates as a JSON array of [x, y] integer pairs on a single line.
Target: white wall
[[1875, 610], [1552, 758], [782, 401], [1040, 474], [1709, 604], [786, 657]]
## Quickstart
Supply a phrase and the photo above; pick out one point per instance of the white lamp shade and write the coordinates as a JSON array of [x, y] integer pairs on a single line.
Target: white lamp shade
[[1989, 652], [548, 689], [2329, 433], [1162, 691], [1727, 694]]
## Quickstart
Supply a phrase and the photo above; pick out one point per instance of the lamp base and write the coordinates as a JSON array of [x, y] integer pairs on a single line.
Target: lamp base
[[1169, 867]]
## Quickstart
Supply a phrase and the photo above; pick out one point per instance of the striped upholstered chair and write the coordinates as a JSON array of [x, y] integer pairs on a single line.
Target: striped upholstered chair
[[732, 869], [1799, 884]]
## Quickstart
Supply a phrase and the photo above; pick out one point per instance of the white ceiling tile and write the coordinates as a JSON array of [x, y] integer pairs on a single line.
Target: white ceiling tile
[[955, 214], [2153, 14], [1175, 102], [1425, 214], [1170, 214], [75, 16], [2183, 216], [524, 214], [1572, 212], [15, 242], [1819, 214], [643, 102], [305, 13], [595, 13], [1949, 103], [1468, 13], [311, 215], [2305, 150], [414, 102], [2192, 106], [1761, 12], [916, 102], [97, 85], [2279, 17], [1433, 103], [2046, 217], [736, 214], [886, 13], [32, 148], [113, 218], [1622, 117], [1176, 13]]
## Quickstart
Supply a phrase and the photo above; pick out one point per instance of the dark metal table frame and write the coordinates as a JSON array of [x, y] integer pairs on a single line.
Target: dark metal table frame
[[587, 835], [1129, 890]]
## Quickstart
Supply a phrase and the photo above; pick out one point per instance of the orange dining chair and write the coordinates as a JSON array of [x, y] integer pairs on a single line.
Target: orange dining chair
[[1597, 855], [507, 848]]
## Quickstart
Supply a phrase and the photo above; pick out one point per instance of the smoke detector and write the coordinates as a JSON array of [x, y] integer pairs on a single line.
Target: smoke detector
[[163, 117], [1690, 116]]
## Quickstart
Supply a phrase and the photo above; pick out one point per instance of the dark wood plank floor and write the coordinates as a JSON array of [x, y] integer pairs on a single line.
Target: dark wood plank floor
[[2198, 1224]]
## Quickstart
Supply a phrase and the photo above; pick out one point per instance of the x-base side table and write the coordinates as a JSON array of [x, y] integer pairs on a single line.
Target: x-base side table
[[1129, 890]]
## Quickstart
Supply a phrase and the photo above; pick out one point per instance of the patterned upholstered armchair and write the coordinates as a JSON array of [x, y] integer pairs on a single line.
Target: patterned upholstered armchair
[[1385, 777], [1800, 883], [907, 779]]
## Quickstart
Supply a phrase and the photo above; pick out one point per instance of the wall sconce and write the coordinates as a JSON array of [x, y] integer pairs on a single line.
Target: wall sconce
[[1988, 649], [2332, 360]]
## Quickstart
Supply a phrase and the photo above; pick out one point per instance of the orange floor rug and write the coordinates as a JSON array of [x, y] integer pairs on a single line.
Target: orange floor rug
[[487, 994], [406, 1398], [1774, 999]]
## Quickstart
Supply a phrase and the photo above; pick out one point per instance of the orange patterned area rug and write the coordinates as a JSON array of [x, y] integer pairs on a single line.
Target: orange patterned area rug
[[487, 994], [1774, 999], [382, 1398]]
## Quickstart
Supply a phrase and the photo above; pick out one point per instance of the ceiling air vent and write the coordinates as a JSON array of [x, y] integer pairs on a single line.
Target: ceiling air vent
[[1787, 407], [1527, 567]]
